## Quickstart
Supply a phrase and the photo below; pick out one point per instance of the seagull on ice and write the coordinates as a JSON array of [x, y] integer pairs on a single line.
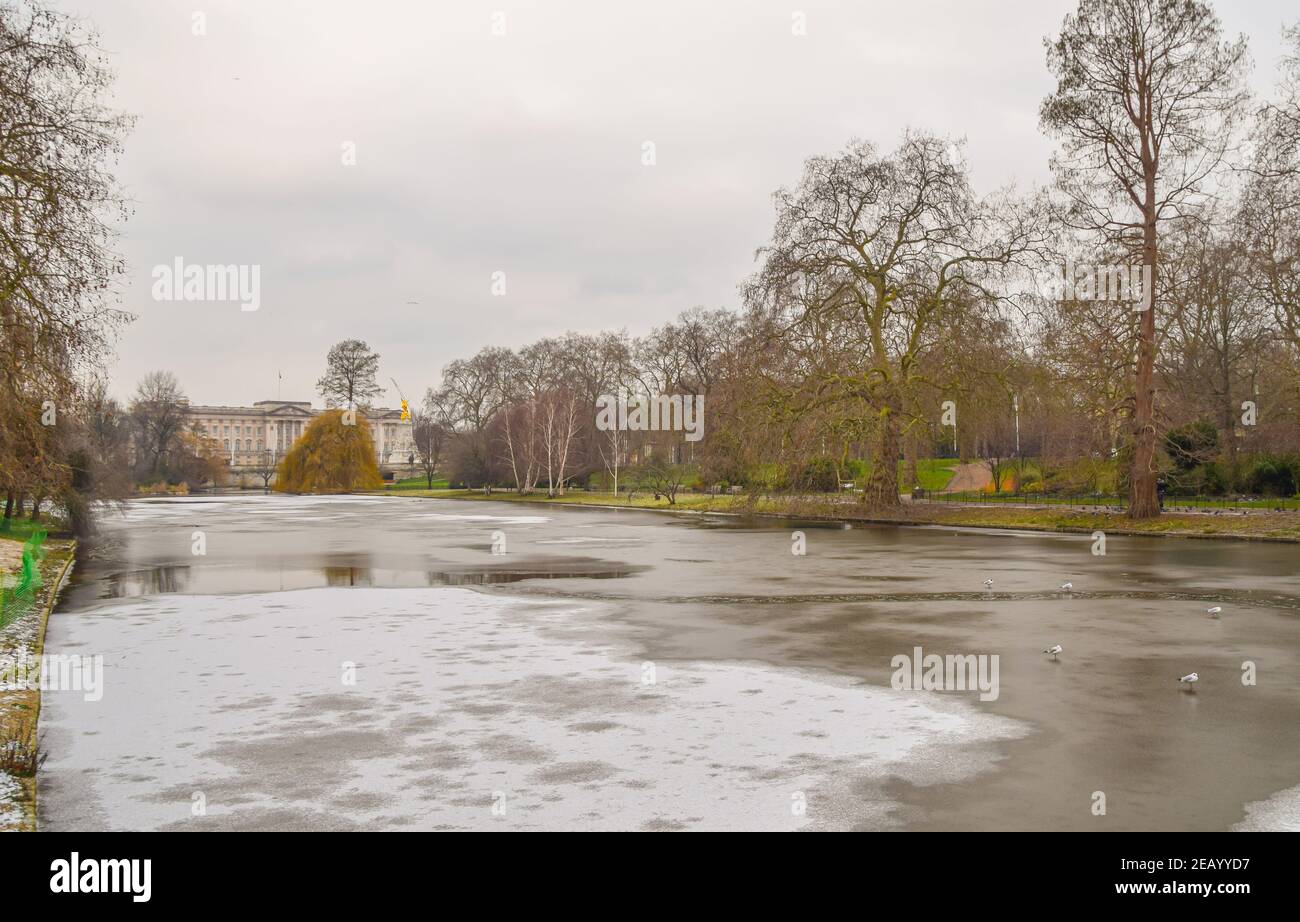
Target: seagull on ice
[[1214, 612], [1190, 679], [988, 584], [1055, 651], [1067, 587]]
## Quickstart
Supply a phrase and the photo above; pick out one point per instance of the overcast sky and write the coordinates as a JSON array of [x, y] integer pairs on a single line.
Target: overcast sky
[[520, 153]]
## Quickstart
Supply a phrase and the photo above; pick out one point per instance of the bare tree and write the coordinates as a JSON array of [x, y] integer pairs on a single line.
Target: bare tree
[[1147, 99], [559, 427], [473, 394], [663, 477], [523, 378], [1269, 223], [900, 243], [158, 412], [59, 204], [264, 466], [1219, 325], [1277, 135], [613, 448], [349, 379], [431, 431]]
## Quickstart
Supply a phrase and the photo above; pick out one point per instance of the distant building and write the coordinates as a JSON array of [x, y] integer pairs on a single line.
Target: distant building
[[259, 436]]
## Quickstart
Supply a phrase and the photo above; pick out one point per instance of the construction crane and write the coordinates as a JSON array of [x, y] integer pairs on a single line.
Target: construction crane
[[406, 407]]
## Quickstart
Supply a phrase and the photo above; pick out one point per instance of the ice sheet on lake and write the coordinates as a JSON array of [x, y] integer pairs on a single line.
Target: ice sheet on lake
[[1280, 813], [194, 508], [463, 701], [503, 519]]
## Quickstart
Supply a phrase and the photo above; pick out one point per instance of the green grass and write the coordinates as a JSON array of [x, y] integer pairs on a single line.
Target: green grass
[[1282, 526], [21, 529], [641, 500], [933, 473], [1193, 502], [416, 483]]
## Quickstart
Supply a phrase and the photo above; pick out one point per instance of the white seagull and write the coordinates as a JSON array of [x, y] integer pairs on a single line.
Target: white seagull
[[1214, 612], [988, 584], [1067, 587], [1190, 679], [1053, 650]]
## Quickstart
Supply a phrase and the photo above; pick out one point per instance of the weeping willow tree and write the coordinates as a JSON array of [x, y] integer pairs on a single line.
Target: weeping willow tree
[[333, 455]]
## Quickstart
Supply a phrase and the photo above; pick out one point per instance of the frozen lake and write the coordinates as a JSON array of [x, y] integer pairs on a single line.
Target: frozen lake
[[368, 662]]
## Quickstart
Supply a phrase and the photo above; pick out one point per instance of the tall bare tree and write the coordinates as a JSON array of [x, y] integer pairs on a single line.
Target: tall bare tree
[[59, 201], [1147, 100]]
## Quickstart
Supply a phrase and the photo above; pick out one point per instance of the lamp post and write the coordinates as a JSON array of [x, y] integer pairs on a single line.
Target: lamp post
[[1015, 403], [1020, 469]]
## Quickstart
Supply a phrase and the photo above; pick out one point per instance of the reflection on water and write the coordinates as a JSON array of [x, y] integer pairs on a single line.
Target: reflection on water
[[219, 580], [152, 581], [489, 577]]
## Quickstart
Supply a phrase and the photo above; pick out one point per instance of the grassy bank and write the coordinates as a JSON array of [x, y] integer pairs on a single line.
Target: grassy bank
[[21, 643], [1172, 503], [1270, 526]]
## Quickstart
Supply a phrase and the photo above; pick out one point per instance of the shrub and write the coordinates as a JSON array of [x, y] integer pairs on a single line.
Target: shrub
[[1214, 479], [1193, 444], [1271, 475], [818, 475], [1208, 479]]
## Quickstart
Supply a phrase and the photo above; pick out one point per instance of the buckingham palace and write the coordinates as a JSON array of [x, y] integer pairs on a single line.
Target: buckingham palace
[[258, 436]]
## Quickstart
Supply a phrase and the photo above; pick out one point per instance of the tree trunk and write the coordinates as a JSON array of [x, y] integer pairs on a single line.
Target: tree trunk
[[36, 508], [882, 485], [1229, 411], [1143, 502], [9, 505], [910, 472]]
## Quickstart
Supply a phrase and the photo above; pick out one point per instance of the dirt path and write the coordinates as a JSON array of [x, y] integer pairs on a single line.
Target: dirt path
[[968, 477]]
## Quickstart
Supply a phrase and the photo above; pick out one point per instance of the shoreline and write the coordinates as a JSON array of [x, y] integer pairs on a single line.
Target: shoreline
[[20, 708], [1041, 519]]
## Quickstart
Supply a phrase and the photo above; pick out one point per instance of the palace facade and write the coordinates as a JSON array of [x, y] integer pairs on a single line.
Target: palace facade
[[258, 436]]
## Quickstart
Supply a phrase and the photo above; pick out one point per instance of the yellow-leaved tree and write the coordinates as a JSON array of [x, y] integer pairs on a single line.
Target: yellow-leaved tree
[[334, 455]]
